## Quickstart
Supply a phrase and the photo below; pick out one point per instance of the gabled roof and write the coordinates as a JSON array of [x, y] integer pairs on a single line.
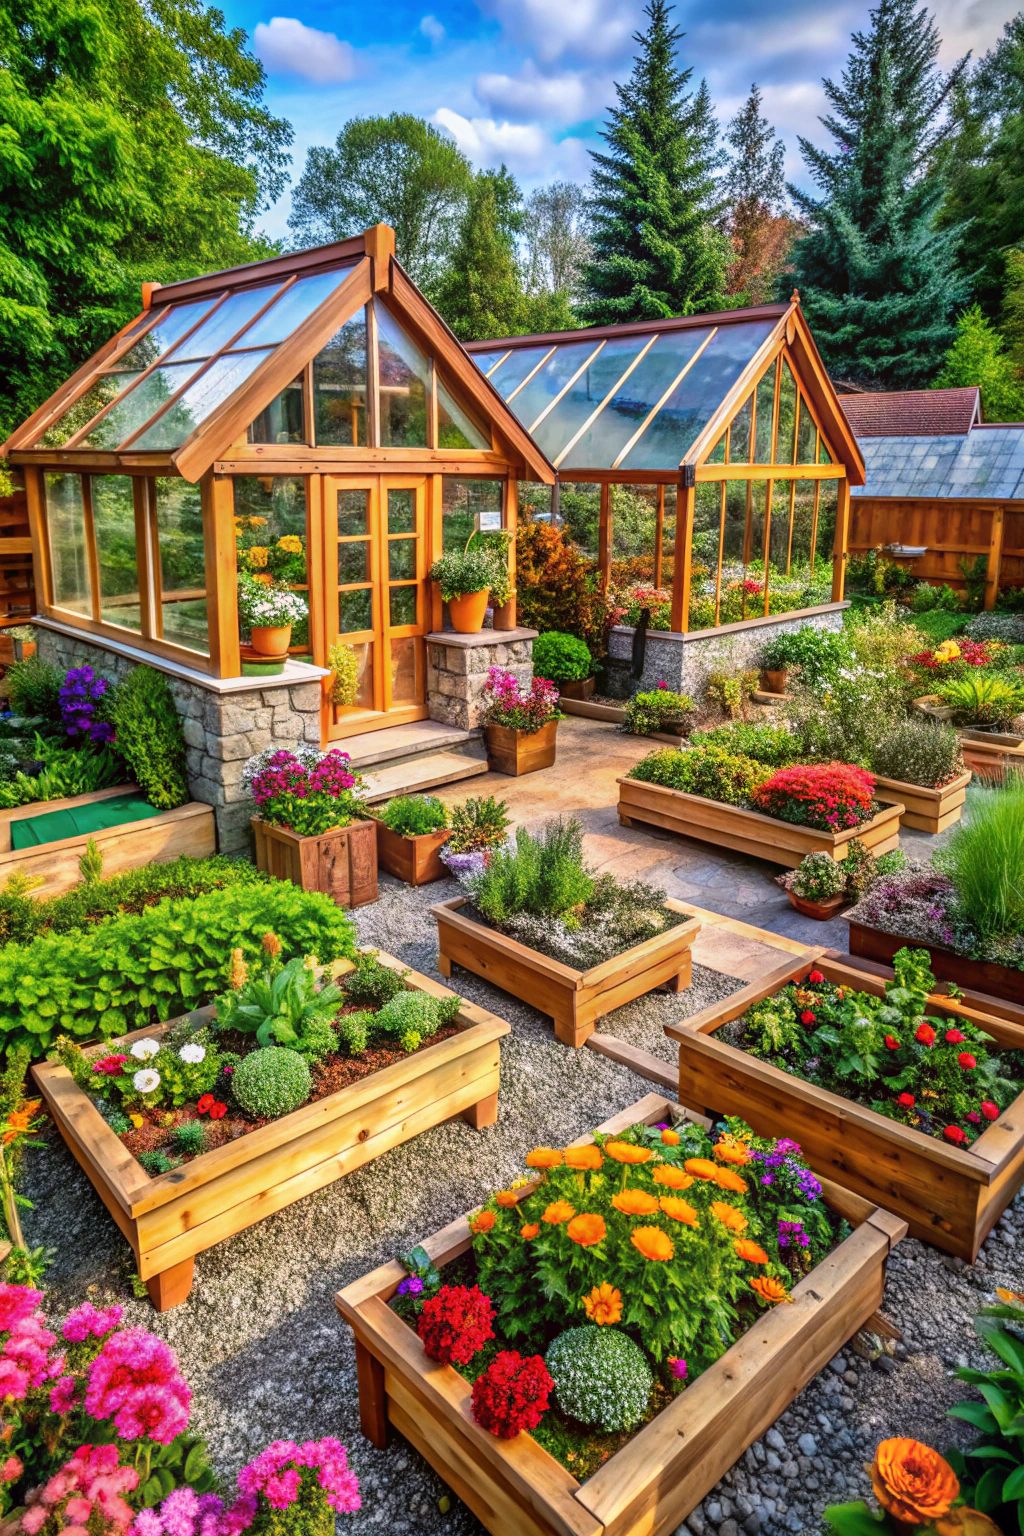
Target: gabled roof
[[186, 378], [986, 463], [913, 412]]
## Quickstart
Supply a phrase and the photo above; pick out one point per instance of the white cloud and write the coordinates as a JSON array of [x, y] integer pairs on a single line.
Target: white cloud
[[432, 30], [588, 30], [569, 97], [525, 148], [287, 46]]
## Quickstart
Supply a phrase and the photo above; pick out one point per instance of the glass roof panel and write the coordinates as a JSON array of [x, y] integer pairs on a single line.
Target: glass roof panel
[[137, 406], [487, 360], [601, 444], [229, 318], [580, 402], [219, 381], [549, 379], [100, 393], [176, 321], [699, 394], [520, 362], [293, 307]]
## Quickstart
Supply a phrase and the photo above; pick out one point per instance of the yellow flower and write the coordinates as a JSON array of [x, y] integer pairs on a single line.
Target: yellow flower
[[506, 1198], [586, 1230], [136, 1120], [557, 1212], [769, 1290], [729, 1216], [731, 1150], [257, 522], [947, 651], [604, 1304], [239, 973], [291, 544], [257, 555]]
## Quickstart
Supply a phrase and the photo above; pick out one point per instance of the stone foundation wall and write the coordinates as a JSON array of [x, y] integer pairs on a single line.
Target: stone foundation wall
[[457, 667], [221, 729]]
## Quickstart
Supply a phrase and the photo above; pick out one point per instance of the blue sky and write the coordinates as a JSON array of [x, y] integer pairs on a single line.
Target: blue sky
[[527, 81]]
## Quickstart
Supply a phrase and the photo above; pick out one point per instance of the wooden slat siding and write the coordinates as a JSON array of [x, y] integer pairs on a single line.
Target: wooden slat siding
[[190, 829], [950, 528]]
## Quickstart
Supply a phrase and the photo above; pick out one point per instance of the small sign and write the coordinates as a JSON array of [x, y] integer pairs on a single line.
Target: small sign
[[490, 522]]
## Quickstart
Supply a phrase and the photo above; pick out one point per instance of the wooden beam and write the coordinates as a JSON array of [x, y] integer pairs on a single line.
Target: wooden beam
[[706, 472], [842, 540], [300, 263], [659, 535], [605, 537], [35, 498], [221, 574], [995, 557], [379, 245], [686, 503], [505, 616]]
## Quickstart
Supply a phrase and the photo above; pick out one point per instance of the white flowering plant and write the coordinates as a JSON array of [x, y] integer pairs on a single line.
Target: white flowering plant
[[265, 605], [177, 1069]]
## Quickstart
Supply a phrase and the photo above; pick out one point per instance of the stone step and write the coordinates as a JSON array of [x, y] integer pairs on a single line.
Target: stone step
[[414, 776], [401, 741]]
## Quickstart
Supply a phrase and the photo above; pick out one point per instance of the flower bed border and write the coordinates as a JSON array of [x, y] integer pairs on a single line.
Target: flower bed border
[[730, 826], [926, 810], [949, 1197], [988, 977], [416, 859], [519, 752], [172, 1217], [516, 1488], [342, 863], [573, 999]]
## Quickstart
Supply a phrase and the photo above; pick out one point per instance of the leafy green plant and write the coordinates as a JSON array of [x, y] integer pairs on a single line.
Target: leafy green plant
[[372, 983], [190, 1137], [158, 1161], [928, 599], [974, 573], [992, 1471], [150, 737], [90, 865], [543, 874], [471, 569], [561, 658], [478, 824], [283, 1007], [729, 691], [705, 770], [984, 858], [413, 1017], [415, 815], [33, 689], [601, 1377], [918, 751], [774, 745], [271, 1082], [655, 709], [67, 771], [983, 698], [818, 877]]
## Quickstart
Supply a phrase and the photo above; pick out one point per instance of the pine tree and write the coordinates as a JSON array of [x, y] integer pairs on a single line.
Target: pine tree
[[760, 230], [877, 280], [657, 251], [978, 356]]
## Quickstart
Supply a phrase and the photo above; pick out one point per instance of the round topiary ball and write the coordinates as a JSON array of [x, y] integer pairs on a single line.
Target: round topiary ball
[[271, 1082], [601, 1377]]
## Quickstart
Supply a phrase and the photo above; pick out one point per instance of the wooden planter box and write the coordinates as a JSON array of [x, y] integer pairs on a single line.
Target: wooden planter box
[[984, 976], [342, 864], [170, 1218], [927, 810], [517, 752], [517, 1489], [989, 754], [574, 999], [189, 829], [416, 860], [764, 837], [582, 689], [948, 1196]]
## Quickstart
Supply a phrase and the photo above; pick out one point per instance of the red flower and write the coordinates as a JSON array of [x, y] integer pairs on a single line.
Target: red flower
[[831, 796], [456, 1323], [512, 1394], [815, 977], [954, 1037], [925, 1035], [218, 1111], [892, 1043], [807, 1017], [967, 1061], [954, 1134], [906, 1100], [110, 1066], [206, 1103], [989, 1110], [973, 1116]]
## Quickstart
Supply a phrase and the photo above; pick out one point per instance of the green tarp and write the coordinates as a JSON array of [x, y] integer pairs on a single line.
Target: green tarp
[[79, 820]]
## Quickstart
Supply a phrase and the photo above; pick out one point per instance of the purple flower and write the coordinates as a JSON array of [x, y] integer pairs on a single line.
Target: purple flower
[[412, 1285], [785, 1145], [807, 1184], [792, 1235], [678, 1368]]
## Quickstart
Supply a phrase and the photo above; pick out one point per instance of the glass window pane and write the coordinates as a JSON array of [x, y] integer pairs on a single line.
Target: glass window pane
[[270, 514], [717, 454], [469, 506], [707, 524], [227, 319], [785, 440], [739, 434], [294, 305], [353, 513], [634, 525], [806, 435], [403, 605], [211, 389], [733, 545], [179, 530], [402, 559], [339, 387], [779, 536], [355, 611], [283, 420], [105, 390], [406, 666], [404, 378], [401, 509], [765, 411], [354, 562], [579, 512], [825, 533], [113, 518], [485, 361], [597, 380], [65, 519], [824, 457], [549, 380], [519, 362], [364, 675], [455, 428], [803, 524], [169, 329], [698, 395], [135, 408]]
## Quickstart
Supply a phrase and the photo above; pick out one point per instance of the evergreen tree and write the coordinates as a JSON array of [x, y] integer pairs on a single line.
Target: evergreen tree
[[657, 250], [760, 230], [1013, 309], [978, 356], [877, 280]]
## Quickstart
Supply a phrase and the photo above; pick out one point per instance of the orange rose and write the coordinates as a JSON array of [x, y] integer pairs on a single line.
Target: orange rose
[[529, 1232], [672, 1178], [506, 1198], [679, 1210], [726, 1178], [750, 1251], [912, 1482], [587, 1230], [670, 1138], [583, 1158], [769, 1290], [483, 1222], [604, 1304], [543, 1157], [729, 1216], [653, 1243], [633, 1202], [557, 1212], [702, 1168], [625, 1152]]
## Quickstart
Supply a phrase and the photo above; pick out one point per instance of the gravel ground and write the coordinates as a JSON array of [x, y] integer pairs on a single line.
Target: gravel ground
[[262, 1345]]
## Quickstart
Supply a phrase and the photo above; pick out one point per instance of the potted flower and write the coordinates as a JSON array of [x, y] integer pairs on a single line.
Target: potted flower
[[469, 577], [774, 660], [269, 612], [817, 887], [411, 831], [312, 828], [564, 660], [519, 727]]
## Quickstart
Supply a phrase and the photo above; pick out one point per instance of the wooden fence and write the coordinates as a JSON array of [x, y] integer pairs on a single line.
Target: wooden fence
[[952, 532]]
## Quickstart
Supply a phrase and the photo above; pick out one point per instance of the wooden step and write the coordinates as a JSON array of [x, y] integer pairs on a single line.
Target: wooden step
[[415, 775], [401, 741]]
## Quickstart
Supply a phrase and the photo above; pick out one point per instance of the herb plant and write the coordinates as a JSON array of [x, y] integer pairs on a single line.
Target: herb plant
[[271, 1082], [561, 658], [774, 745], [543, 875], [415, 815], [478, 824], [284, 1005], [818, 877], [984, 858], [705, 770], [33, 690], [654, 709]]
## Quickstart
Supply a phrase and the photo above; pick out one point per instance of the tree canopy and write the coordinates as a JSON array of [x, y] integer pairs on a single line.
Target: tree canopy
[[978, 356], [757, 223]]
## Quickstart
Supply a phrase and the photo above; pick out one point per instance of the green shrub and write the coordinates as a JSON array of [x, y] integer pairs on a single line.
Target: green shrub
[[652, 710], [729, 691], [984, 858], [415, 1013], [271, 1082], [938, 625], [928, 599], [372, 983], [354, 1031], [413, 815], [33, 689], [983, 698], [818, 877], [918, 751], [157, 1162], [543, 874], [561, 658], [137, 970], [67, 771], [601, 1377], [190, 1137], [477, 824], [318, 1040], [149, 737], [705, 770], [773, 745], [1006, 627]]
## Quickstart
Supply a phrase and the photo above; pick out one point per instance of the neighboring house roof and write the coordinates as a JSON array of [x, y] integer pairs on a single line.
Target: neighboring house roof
[[986, 463], [913, 412]]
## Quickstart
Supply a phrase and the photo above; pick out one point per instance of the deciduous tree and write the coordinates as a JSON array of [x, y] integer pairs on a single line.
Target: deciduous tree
[[759, 228], [979, 357]]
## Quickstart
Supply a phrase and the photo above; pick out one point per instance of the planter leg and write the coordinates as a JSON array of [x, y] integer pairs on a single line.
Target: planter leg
[[482, 1114], [373, 1401], [171, 1287], [570, 1033], [625, 821], [444, 965], [685, 976]]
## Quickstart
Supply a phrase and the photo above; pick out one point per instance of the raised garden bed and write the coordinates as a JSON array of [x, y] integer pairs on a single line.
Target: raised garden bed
[[341, 863], [926, 810], [516, 1488], [948, 1196], [730, 826], [985, 976], [170, 1218], [986, 753], [156, 837], [414, 859], [574, 999], [517, 752]]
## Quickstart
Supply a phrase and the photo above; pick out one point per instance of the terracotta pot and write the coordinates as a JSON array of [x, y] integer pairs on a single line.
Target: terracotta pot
[[271, 639], [467, 612], [773, 681], [821, 910]]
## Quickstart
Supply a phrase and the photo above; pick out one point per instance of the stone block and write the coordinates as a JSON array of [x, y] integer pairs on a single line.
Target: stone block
[[228, 749], [193, 733], [312, 729], [234, 831], [450, 711], [305, 698]]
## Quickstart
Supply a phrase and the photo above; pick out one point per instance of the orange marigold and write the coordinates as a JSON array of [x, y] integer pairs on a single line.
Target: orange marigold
[[769, 1290], [912, 1482], [1012, 1298], [732, 1152], [557, 1212], [625, 1152], [587, 1229], [506, 1198], [653, 1243], [543, 1157], [634, 1202], [679, 1210], [729, 1216], [670, 1138], [604, 1304], [672, 1178], [483, 1222], [529, 1232], [702, 1168], [727, 1178], [750, 1251], [583, 1158]]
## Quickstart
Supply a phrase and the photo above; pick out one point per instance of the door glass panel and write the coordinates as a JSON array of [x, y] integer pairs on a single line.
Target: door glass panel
[[355, 611], [402, 510], [364, 674], [403, 606], [404, 375], [405, 671], [353, 513], [113, 517], [353, 563], [65, 519], [339, 387], [402, 559]]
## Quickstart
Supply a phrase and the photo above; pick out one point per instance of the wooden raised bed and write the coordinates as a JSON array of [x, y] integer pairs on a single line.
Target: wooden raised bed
[[341, 863], [517, 1489], [984, 976], [948, 1196], [517, 752], [416, 860], [574, 999], [172, 1217], [158, 839], [730, 826], [989, 754], [927, 810]]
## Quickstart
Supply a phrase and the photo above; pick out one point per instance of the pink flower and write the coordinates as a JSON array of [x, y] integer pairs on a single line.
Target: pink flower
[[64, 1397], [989, 1110], [16, 1302], [14, 1382], [110, 1066], [86, 1320], [11, 1470], [135, 1381], [34, 1519]]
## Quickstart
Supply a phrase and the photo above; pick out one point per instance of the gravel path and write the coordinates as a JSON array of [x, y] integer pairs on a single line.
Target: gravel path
[[261, 1343]]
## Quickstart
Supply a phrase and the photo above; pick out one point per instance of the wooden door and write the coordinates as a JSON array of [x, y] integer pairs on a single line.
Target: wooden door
[[377, 594]]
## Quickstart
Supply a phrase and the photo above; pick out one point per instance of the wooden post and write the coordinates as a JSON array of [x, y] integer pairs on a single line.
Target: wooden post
[[505, 616], [436, 521], [842, 539], [36, 502], [659, 535], [373, 1398], [143, 552], [605, 537], [171, 1286], [995, 558], [686, 502], [221, 574]]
